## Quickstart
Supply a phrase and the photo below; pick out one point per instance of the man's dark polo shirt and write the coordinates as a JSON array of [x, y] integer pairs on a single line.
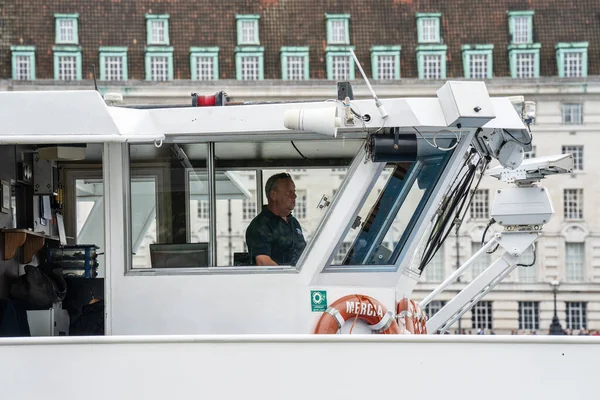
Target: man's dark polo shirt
[[271, 236]]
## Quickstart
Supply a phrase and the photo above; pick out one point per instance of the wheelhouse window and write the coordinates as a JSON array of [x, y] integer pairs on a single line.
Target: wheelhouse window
[[391, 211], [180, 223]]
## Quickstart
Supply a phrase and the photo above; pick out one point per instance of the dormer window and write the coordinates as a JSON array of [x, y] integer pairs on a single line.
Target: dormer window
[[157, 27], [247, 28], [338, 31], [428, 27]]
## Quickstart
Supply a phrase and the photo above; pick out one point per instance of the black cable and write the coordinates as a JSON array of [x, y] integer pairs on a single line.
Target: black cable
[[301, 155], [517, 140], [533, 262], [492, 222]]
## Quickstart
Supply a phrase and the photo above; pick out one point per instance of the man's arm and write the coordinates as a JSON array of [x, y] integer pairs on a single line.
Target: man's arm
[[264, 260]]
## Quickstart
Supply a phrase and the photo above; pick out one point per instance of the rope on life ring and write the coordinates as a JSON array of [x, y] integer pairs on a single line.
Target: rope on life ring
[[410, 318], [357, 306]]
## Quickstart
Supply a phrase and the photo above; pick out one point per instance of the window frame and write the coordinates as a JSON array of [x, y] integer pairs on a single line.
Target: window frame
[[421, 17], [66, 17], [567, 212], [158, 52], [472, 213], [254, 51], [67, 51], [563, 108], [336, 51], [571, 274], [157, 17], [436, 272], [486, 309], [23, 51], [514, 50], [534, 308], [512, 16], [240, 19], [439, 50], [582, 310], [393, 51], [330, 18], [469, 50], [113, 51], [575, 47], [294, 52], [209, 52]]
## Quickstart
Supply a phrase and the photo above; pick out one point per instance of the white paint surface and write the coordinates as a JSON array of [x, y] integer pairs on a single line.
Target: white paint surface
[[300, 367]]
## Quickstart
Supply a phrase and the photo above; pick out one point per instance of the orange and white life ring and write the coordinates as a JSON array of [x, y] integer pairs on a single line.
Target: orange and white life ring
[[410, 318], [357, 306]]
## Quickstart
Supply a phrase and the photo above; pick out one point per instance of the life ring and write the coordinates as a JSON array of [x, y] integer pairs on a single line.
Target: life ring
[[357, 306], [410, 318]]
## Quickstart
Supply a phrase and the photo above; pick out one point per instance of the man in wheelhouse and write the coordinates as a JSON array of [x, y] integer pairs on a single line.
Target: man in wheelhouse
[[274, 237]]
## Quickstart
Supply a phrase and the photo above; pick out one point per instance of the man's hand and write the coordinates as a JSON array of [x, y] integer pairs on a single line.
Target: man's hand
[[265, 261]]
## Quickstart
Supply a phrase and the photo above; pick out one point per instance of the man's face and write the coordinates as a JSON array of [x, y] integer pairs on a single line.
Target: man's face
[[285, 194]]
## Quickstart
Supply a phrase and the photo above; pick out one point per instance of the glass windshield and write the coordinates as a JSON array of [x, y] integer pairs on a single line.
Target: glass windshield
[[391, 212]]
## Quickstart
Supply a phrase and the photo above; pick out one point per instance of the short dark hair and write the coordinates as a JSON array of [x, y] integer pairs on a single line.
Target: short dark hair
[[271, 182]]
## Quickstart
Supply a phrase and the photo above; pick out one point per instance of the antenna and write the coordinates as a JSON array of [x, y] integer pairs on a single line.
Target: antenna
[[94, 75], [382, 111]]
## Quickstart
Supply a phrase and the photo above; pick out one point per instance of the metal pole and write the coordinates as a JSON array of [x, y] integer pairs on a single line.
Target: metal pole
[[457, 267], [212, 206], [555, 327]]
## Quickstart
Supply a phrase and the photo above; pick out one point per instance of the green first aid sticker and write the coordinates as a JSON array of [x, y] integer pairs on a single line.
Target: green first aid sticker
[[318, 300]]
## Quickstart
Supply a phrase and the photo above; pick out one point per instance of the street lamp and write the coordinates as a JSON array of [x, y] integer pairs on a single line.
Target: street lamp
[[555, 328]]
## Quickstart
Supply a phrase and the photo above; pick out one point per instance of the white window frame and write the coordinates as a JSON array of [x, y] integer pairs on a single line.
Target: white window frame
[[576, 314], [428, 27], [572, 113], [478, 50], [151, 20], [67, 51], [392, 52], [423, 55], [434, 307], [520, 27], [575, 261], [529, 315], [300, 211], [59, 19], [573, 204], [210, 54], [564, 59], [249, 207], [332, 54], [335, 23], [435, 270], [480, 204], [482, 315], [113, 52], [247, 29], [299, 54], [242, 55], [155, 52], [26, 52]]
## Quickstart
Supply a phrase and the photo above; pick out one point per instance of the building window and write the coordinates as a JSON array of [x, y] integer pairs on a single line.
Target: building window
[[113, 64], [524, 63], [431, 63], [338, 31], [204, 63], [576, 315], [577, 152], [434, 272], [428, 27], [480, 204], [481, 315], [527, 271], [482, 262], [66, 27], [23, 63], [203, 209], [520, 26], [434, 307], [572, 114], [247, 29], [159, 64], [294, 63], [157, 29], [385, 62], [300, 209], [530, 154], [340, 64], [249, 63], [573, 204], [341, 254], [67, 63], [574, 261], [529, 315], [477, 61], [249, 207], [571, 59]]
